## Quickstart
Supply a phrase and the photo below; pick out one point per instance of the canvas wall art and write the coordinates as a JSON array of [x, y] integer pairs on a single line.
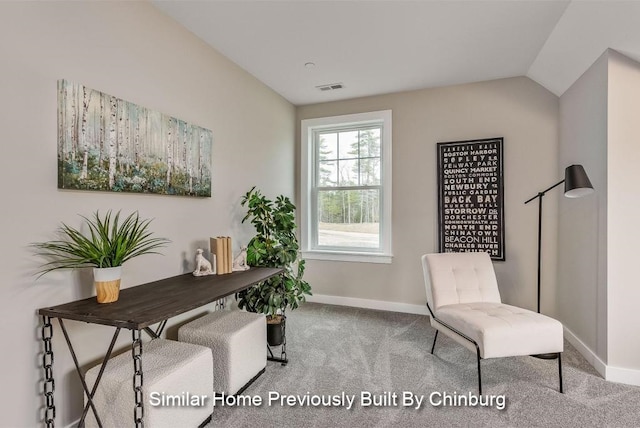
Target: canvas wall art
[[109, 144]]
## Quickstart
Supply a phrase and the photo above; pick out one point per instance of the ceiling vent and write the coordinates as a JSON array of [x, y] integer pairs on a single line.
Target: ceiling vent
[[330, 87]]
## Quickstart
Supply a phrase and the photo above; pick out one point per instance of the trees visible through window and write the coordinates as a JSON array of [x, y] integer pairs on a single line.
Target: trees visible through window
[[346, 187], [348, 203]]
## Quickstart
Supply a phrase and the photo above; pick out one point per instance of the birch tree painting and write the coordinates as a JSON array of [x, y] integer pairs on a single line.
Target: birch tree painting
[[105, 143]]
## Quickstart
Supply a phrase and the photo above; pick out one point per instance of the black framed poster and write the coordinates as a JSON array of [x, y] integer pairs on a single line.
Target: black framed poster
[[471, 197]]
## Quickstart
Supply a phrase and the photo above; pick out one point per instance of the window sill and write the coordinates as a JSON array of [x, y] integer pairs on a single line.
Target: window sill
[[344, 256]]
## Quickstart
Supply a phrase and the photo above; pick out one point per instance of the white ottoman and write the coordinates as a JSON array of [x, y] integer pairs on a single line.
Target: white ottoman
[[238, 341], [170, 369]]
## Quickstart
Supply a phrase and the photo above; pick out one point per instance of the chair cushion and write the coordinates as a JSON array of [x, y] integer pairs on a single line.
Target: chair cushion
[[453, 278], [503, 330]]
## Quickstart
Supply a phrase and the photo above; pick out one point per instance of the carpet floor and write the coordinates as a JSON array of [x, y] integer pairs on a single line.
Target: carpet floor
[[338, 353]]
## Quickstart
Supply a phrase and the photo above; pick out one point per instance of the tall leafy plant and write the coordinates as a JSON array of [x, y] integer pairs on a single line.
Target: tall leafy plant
[[109, 242], [275, 245]]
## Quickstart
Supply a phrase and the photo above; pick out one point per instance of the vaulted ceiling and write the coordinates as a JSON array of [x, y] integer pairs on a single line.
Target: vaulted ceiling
[[375, 47]]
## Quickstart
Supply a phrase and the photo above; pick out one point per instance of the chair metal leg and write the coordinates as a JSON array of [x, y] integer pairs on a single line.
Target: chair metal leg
[[479, 373], [560, 371], [434, 342]]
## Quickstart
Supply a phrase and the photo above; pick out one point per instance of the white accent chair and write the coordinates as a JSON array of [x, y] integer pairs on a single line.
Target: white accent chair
[[464, 302]]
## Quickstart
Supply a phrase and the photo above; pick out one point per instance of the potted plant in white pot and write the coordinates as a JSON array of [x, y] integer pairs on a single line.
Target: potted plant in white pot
[[106, 246], [275, 245]]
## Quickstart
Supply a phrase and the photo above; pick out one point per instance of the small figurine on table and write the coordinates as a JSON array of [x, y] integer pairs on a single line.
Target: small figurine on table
[[203, 266], [240, 262]]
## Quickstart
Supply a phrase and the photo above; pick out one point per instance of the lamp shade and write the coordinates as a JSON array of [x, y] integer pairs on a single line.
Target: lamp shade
[[576, 182]]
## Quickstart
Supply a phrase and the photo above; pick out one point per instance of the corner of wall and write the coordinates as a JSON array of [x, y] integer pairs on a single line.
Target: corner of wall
[[582, 231]]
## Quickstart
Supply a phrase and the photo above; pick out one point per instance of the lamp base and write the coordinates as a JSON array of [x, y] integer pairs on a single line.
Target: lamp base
[[551, 356]]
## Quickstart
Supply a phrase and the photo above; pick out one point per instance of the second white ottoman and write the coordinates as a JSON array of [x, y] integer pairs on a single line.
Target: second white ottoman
[[238, 342]]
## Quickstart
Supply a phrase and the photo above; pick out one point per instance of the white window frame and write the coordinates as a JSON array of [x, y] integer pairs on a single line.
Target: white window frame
[[308, 223]]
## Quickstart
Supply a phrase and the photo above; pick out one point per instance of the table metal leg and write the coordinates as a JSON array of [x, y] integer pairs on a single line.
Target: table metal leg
[[138, 379], [156, 334], [160, 328], [152, 334], [49, 386], [89, 394]]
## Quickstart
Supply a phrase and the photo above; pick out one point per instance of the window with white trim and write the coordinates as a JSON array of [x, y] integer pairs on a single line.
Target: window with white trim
[[346, 187]]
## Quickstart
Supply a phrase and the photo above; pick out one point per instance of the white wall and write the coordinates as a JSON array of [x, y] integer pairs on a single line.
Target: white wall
[[623, 212], [582, 228], [519, 110], [597, 274], [132, 51]]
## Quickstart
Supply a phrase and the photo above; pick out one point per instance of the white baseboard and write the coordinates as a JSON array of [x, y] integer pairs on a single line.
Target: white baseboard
[[369, 304], [622, 375], [610, 373], [586, 352]]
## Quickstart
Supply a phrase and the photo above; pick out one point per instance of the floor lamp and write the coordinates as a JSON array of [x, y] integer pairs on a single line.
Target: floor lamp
[[576, 184]]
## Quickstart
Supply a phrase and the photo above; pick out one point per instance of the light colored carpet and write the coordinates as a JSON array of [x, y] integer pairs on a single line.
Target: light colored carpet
[[336, 349]]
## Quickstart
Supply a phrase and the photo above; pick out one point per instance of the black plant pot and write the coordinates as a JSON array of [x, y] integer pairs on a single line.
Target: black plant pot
[[275, 332]]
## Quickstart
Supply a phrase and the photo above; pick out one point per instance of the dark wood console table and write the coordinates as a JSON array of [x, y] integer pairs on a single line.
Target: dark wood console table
[[137, 309]]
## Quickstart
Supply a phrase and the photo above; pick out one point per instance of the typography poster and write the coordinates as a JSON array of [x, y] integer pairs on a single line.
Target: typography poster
[[471, 197]]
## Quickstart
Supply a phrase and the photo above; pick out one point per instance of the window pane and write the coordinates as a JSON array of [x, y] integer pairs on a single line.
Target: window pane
[[327, 173], [348, 172], [370, 143], [348, 144], [328, 146], [370, 172], [349, 218]]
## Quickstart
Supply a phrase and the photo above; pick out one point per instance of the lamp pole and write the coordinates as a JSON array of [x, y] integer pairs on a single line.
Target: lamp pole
[[576, 184], [539, 198]]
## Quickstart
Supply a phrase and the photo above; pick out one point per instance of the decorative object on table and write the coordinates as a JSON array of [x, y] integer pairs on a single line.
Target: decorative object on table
[[228, 255], [108, 144], [221, 304], [576, 184], [216, 246], [203, 266], [107, 283], [240, 262], [275, 245], [471, 197], [108, 244], [221, 249]]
